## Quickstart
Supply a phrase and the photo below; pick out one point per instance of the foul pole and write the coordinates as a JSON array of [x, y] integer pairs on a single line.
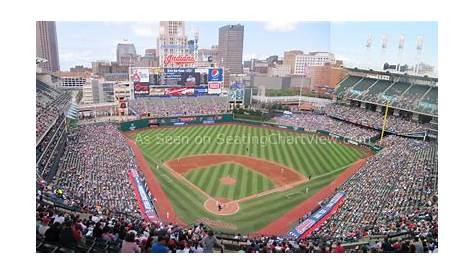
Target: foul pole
[[384, 122]]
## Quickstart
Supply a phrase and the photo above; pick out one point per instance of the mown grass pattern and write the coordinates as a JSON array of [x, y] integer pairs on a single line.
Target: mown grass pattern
[[320, 160], [209, 178]]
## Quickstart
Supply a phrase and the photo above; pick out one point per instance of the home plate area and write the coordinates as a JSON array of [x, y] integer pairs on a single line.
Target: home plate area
[[221, 206]]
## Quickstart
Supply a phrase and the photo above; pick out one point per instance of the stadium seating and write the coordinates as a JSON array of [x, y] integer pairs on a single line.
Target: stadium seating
[[407, 96], [401, 182], [373, 119], [361, 87], [411, 96], [390, 205], [50, 103], [179, 106], [93, 170], [347, 83], [323, 122], [374, 91], [393, 92]]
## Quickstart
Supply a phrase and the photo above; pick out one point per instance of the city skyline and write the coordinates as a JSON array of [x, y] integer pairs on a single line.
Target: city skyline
[[262, 39]]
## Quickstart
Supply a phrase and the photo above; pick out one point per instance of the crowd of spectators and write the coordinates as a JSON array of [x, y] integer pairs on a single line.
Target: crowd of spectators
[[81, 233], [374, 119], [394, 192], [392, 199], [323, 122], [50, 103], [179, 106], [93, 171]]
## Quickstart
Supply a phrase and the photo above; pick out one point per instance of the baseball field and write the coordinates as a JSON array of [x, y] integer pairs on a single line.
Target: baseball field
[[234, 177]]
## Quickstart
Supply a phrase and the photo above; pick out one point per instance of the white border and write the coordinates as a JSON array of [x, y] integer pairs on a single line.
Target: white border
[[455, 187]]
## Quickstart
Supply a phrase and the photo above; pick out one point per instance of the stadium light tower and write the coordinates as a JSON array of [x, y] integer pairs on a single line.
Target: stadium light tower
[[401, 46], [368, 46], [419, 51], [196, 40], [384, 47]]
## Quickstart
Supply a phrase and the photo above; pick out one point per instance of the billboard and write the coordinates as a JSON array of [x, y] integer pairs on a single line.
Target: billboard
[[180, 77], [202, 76], [157, 77], [157, 91], [202, 90], [155, 81], [214, 88], [141, 88], [140, 75], [178, 60], [215, 75], [236, 92], [179, 91]]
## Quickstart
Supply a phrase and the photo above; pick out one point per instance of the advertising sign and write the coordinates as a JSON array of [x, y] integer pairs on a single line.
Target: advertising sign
[[180, 77], [157, 91], [157, 77], [315, 219], [141, 88], [202, 76], [236, 92], [200, 90], [178, 60], [146, 206], [155, 81], [215, 75], [140, 75], [214, 88], [179, 91]]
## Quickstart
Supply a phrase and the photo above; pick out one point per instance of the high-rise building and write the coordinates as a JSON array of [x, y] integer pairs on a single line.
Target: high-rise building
[[231, 44], [47, 45], [289, 58], [304, 61], [126, 53], [172, 40]]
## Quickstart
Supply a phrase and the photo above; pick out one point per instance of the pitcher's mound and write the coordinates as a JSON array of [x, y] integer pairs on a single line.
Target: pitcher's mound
[[227, 207], [227, 180]]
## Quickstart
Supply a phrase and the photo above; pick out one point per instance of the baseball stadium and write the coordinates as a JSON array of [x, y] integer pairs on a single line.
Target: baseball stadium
[[191, 159]]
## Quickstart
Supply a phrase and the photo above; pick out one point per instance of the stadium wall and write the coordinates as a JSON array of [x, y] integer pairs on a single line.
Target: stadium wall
[[176, 121]]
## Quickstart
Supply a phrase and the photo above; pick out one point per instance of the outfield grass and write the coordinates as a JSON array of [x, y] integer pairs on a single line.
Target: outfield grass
[[208, 179], [323, 161]]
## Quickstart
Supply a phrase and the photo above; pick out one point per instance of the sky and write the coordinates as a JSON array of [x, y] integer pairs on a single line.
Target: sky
[[80, 43]]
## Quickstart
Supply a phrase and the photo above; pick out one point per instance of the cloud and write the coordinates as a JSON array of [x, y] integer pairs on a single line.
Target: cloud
[[76, 57], [280, 26], [146, 29], [114, 23]]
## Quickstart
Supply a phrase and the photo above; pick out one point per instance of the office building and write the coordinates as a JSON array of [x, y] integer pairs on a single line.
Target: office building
[[47, 45]]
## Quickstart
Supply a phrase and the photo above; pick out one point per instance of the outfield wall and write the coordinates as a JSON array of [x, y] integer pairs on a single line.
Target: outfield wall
[[228, 117], [176, 121]]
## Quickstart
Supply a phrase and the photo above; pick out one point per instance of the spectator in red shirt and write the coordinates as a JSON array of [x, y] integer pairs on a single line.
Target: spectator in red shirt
[[339, 248]]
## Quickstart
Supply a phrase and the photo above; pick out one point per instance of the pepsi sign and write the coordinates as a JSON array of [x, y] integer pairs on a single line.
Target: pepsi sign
[[215, 75]]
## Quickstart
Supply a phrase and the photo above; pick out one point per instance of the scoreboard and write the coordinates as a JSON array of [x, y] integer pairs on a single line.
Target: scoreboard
[[156, 81]]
